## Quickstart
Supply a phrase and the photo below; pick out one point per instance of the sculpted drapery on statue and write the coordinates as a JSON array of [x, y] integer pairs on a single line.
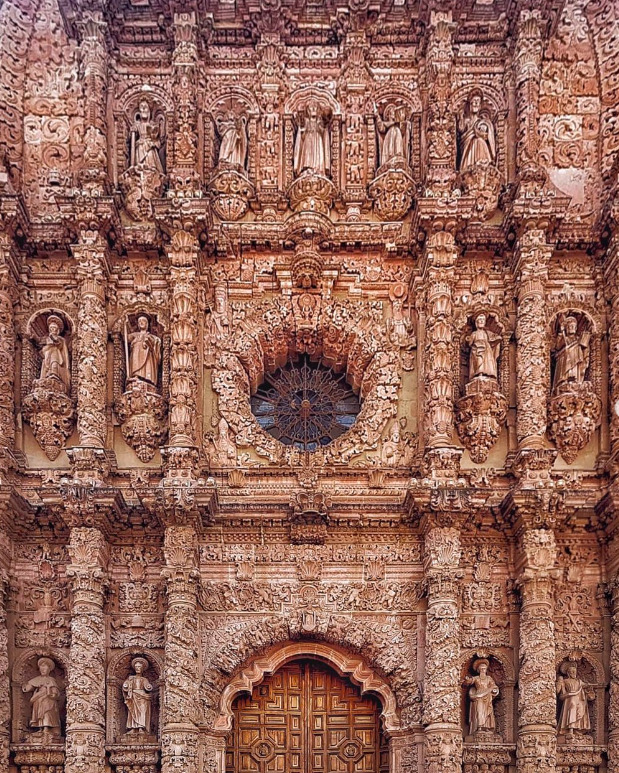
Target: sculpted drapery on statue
[[484, 349], [394, 135], [477, 136], [138, 698], [573, 695], [55, 365], [232, 130], [312, 151], [144, 352], [147, 140], [571, 353], [483, 690], [45, 699]]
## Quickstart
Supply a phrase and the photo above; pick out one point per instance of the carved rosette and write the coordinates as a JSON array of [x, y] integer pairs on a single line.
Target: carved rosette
[[573, 414], [231, 192], [393, 192], [85, 745], [480, 414], [51, 414], [311, 192], [483, 182], [142, 412]]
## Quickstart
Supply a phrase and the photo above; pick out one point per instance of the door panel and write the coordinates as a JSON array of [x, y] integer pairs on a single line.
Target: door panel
[[305, 718]]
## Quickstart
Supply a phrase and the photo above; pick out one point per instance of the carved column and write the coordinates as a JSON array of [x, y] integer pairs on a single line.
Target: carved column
[[611, 283], [90, 254], [94, 55], [183, 254], [532, 356], [179, 737], [85, 745], [440, 258], [441, 690], [527, 71], [5, 691], [613, 706], [7, 342], [537, 703], [184, 175], [441, 122]]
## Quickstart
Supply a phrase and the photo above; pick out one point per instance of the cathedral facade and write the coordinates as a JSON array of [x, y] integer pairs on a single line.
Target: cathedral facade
[[309, 386]]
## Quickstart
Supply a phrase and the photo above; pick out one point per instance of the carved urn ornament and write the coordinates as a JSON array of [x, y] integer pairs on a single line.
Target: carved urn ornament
[[482, 410], [141, 408], [393, 188], [49, 405], [478, 154], [574, 408]]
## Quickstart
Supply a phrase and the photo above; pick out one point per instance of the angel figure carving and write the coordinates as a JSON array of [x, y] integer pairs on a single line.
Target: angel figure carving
[[477, 137], [394, 135], [483, 690], [146, 138], [312, 144], [232, 131], [138, 699]]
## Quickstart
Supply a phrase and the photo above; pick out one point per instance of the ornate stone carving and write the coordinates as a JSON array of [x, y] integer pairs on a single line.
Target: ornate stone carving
[[573, 696], [49, 407], [138, 698], [482, 691], [477, 150]]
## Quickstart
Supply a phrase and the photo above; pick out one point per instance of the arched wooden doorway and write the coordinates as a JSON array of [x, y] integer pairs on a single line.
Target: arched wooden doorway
[[306, 718]]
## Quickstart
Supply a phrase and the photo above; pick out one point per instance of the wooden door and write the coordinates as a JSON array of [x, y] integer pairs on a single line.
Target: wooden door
[[305, 718]]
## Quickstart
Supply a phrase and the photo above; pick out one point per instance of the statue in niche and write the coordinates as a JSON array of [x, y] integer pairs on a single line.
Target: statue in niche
[[146, 140], [482, 692], [573, 695], [571, 353], [312, 144], [394, 135], [477, 137], [143, 352], [55, 365], [137, 694], [484, 350], [45, 699], [232, 131]]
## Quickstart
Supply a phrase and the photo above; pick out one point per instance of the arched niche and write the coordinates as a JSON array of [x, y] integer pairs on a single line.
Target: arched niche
[[591, 671], [501, 669], [119, 669], [26, 668]]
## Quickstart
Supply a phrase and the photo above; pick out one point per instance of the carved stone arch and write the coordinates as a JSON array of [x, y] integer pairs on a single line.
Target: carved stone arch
[[225, 92], [119, 667], [130, 98], [299, 98], [505, 705], [391, 92], [351, 666], [25, 668]]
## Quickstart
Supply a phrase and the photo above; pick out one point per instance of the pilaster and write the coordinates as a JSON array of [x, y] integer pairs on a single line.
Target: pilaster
[[611, 281], [184, 177], [85, 732], [441, 689], [8, 296], [613, 705]]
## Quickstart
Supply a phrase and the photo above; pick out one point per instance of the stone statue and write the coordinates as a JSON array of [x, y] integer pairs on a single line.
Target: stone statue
[[477, 138], [144, 352], [573, 696], [146, 140], [45, 700], [484, 350], [138, 699], [233, 133], [483, 690], [394, 135], [55, 367], [312, 150], [571, 353]]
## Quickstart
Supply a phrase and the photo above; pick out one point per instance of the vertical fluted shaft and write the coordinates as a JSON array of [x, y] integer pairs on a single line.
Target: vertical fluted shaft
[[441, 691], [537, 739], [179, 738], [85, 744]]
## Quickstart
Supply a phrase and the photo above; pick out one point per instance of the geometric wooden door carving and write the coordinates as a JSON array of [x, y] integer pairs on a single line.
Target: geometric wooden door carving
[[306, 718]]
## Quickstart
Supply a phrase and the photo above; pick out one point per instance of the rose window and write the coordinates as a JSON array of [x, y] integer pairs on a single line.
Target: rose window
[[305, 405]]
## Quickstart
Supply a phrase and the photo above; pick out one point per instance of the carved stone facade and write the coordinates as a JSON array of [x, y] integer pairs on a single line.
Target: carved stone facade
[[309, 370]]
